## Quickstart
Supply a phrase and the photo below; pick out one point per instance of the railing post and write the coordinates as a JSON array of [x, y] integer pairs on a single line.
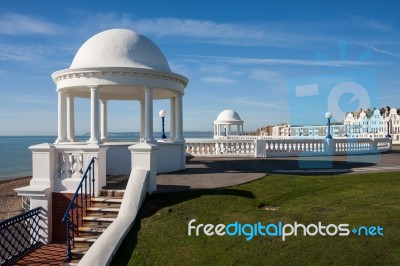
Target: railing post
[[144, 156], [260, 148], [41, 186], [330, 146]]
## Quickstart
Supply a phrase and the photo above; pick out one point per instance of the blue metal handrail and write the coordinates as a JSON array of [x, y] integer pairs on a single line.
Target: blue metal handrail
[[71, 220]]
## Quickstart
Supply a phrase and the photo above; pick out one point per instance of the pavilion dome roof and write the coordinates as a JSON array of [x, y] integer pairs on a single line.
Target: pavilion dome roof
[[120, 48], [228, 116]]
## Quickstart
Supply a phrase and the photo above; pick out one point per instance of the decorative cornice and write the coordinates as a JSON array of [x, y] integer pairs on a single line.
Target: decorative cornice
[[121, 72]]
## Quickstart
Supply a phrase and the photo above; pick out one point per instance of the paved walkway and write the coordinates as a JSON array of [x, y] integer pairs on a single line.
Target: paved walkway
[[207, 173]]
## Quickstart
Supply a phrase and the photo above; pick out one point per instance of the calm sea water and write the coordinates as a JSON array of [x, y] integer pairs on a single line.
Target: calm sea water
[[16, 159]]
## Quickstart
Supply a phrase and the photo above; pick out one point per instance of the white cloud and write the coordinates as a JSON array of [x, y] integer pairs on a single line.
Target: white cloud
[[30, 99], [198, 29], [265, 75], [281, 61], [248, 101], [16, 24], [378, 50], [369, 23], [218, 80], [16, 52]]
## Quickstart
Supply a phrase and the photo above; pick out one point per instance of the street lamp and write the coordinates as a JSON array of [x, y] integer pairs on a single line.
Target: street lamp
[[328, 115], [388, 120], [162, 114]]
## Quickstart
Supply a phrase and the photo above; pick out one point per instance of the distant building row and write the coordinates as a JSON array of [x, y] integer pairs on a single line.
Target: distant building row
[[363, 123]]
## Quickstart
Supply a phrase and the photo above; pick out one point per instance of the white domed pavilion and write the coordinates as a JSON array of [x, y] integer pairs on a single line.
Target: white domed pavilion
[[224, 122], [118, 64], [113, 65]]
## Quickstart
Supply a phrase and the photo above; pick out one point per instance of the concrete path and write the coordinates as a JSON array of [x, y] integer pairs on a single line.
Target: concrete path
[[208, 173]]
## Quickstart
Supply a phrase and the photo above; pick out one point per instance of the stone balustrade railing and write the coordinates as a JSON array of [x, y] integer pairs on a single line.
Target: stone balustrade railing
[[248, 137], [295, 147], [210, 147], [248, 147]]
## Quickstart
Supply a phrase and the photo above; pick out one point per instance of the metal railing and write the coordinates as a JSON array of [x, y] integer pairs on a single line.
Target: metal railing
[[78, 205], [19, 235]]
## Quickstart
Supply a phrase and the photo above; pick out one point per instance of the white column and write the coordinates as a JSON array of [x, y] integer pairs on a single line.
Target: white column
[[62, 117], [179, 117], [229, 130], [172, 117], [70, 118], [94, 115], [148, 100], [142, 118], [104, 130], [238, 130]]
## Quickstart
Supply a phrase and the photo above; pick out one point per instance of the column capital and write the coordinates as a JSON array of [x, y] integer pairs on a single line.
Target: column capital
[[147, 88]]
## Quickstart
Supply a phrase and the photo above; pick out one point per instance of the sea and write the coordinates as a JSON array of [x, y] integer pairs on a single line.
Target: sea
[[16, 159]]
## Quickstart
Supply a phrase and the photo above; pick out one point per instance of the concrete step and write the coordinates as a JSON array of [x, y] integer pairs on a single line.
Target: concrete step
[[89, 239], [97, 220], [71, 263], [103, 210], [109, 200], [85, 241], [117, 182], [78, 253], [112, 193], [102, 214], [89, 230]]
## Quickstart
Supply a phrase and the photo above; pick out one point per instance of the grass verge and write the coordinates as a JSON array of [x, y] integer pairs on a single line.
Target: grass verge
[[160, 234]]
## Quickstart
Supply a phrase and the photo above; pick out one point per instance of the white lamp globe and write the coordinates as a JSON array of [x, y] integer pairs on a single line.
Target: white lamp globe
[[328, 115], [162, 113], [387, 119]]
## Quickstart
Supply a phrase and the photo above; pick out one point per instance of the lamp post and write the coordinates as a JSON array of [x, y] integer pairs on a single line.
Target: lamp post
[[388, 120], [162, 114], [328, 115]]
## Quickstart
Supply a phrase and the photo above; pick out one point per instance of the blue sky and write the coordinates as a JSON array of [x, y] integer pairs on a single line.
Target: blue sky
[[249, 56]]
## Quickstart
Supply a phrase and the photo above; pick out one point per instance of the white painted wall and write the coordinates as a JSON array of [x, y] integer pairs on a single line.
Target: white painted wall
[[118, 159], [171, 157]]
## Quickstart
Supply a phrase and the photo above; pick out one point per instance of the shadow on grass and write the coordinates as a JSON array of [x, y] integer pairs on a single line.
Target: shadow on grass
[[158, 201], [299, 165]]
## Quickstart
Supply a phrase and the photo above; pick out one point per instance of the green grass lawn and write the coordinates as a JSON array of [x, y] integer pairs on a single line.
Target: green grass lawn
[[160, 235]]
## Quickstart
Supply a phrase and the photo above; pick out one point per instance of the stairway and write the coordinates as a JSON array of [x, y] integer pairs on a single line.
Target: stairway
[[102, 212]]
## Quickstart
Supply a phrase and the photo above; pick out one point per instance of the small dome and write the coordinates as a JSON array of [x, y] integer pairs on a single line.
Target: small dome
[[228, 116], [120, 48]]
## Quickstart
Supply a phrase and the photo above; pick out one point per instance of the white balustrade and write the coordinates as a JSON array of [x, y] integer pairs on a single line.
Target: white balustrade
[[245, 146], [204, 148]]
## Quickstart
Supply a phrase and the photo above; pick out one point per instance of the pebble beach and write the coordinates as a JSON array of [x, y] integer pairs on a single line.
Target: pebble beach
[[10, 203]]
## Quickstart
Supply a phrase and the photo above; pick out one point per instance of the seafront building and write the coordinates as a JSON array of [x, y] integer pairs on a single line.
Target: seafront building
[[375, 123]]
